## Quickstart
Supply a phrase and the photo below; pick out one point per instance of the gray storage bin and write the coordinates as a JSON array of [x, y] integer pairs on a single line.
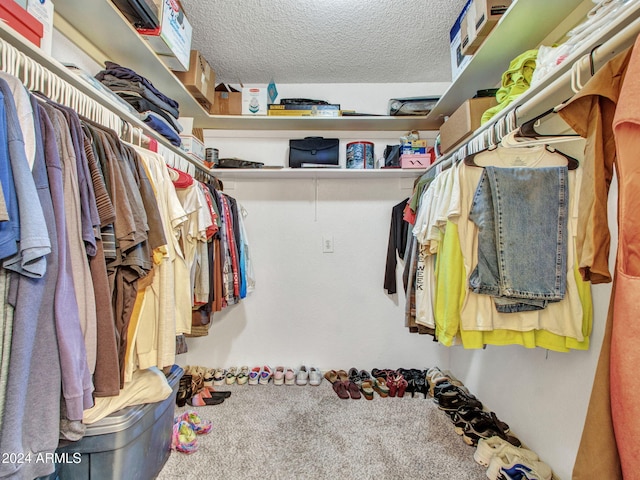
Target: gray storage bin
[[132, 443]]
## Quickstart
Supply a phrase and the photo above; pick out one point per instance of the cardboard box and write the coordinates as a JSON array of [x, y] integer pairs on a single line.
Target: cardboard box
[[21, 21], [172, 38], [255, 100], [458, 60], [42, 10], [200, 80], [487, 14], [194, 146], [463, 122], [228, 101]]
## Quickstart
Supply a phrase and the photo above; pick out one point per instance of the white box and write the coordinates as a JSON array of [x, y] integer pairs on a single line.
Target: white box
[[254, 100], [173, 37], [42, 10], [191, 144], [458, 60]]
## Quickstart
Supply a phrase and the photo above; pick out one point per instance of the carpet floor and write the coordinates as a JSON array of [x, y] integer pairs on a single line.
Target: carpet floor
[[308, 433]]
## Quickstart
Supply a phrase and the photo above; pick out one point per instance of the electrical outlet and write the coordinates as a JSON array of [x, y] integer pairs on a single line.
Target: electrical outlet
[[327, 244]]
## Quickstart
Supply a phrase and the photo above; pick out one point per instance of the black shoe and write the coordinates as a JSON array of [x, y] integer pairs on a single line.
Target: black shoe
[[184, 390], [485, 427], [454, 399]]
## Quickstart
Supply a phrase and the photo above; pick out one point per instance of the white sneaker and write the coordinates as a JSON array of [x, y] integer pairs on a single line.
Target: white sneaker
[[490, 447], [303, 376], [511, 466], [289, 376], [315, 377]]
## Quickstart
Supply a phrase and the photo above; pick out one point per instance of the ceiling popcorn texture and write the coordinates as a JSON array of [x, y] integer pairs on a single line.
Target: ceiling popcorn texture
[[324, 41]]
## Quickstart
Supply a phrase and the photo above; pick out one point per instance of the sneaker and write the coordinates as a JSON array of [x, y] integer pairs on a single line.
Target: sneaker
[[243, 375], [511, 466], [315, 377], [254, 376], [265, 375], [278, 376], [231, 376], [289, 376], [303, 376], [490, 447], [485, 427], [219, 376]]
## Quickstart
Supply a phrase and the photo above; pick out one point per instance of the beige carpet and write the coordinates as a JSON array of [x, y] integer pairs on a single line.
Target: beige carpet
[[304, 432]]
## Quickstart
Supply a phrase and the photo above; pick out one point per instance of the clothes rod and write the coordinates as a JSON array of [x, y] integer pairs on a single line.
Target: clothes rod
[[29, 64]]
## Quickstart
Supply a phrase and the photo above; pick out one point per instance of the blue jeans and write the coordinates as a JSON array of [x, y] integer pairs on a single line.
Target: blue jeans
[[521, 214]]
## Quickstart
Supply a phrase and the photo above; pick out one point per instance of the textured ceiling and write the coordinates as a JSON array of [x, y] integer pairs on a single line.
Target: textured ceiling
[[324, 41]]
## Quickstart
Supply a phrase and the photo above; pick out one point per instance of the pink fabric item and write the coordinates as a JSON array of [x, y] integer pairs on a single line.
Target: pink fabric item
[[625, 339]]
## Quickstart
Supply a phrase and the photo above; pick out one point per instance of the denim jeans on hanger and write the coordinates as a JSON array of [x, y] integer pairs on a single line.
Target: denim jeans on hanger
[[521, 214]]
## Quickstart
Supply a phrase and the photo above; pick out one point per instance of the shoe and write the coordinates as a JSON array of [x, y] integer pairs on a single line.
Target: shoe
[[341, 390], [485, 428], [265, 375], [231, 376], [184, 390], [210, 392], [331, 376], [198, 400], [401, 386], [243, 375], [354, 375], [488, 448], [302, 377], [207, 378], [366, 387], [510, 466], [289, 376], [380, 386], [254, 376], [315, 377], [183, 438], [354, 390], [278, 376], [199, 426], [463, 416], [453, 400], [219, 376], [342, 376]]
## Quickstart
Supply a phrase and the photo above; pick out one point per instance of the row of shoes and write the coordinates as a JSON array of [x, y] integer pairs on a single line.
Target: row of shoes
[[195, 389], [263, 375], [496, 447], [186, 428]]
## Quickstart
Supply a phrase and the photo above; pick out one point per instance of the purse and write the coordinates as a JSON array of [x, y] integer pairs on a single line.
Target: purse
[[313, 151]]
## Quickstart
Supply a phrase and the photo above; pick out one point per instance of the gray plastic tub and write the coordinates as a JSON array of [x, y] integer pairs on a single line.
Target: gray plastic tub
[[132, 443]]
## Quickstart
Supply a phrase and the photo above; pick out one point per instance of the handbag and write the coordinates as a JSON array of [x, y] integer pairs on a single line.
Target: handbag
[[313, 151]]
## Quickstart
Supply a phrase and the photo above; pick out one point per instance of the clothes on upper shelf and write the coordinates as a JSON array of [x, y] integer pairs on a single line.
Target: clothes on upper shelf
[[106, 251], [449, 252], [157, 110]]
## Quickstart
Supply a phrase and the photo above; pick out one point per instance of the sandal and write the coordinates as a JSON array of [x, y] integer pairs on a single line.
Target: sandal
[[184, 390], [341, 390], [218, 376], [198, 400], [366, 387], [342, 376], [380, 386], [231, 376], [354, 390], [331, 376], [243, 375]]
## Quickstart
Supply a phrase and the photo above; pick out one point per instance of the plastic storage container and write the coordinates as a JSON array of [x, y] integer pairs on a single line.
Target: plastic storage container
[[132, 443]]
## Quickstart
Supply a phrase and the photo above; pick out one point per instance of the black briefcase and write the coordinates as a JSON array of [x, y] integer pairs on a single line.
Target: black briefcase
[[310, 151]]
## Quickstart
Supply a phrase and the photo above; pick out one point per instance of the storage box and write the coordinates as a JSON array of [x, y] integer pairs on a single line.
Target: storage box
[[471, 41], [21, 21], [228, 101], [487, 14], [458, 60], [416, 160], [200, 79], [42, 10], [172, 38], [134, 442], [191, 144], [255, 100], [463, 122]]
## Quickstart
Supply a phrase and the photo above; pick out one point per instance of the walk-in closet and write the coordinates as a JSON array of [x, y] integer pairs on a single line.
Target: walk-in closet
[[311, 240]]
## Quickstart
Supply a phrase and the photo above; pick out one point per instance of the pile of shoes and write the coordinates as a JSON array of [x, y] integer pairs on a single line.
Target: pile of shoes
[[496, 448], [385, 382], [261, 376], [196, 388], [186, 428]]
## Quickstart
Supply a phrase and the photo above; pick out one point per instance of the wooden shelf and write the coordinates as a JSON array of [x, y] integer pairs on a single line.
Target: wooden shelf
[[298, 173]]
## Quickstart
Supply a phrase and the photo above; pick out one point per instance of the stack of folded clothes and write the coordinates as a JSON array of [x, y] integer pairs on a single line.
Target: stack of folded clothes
[[157, 110]]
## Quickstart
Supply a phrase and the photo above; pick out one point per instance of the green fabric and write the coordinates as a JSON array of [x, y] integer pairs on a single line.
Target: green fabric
[[515, 81]]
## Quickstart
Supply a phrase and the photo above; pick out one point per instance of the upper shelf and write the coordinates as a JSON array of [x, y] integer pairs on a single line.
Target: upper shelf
[[524, 26]]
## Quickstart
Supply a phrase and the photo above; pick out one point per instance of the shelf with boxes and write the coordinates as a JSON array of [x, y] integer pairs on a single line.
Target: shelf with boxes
[[524, 25]]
